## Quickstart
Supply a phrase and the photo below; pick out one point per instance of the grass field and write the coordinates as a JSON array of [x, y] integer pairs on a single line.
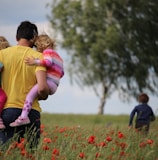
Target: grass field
[[89, 137], [85, 120]]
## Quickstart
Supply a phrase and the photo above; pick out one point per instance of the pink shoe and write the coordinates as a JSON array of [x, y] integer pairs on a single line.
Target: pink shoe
[[20, 121], [2, 126]]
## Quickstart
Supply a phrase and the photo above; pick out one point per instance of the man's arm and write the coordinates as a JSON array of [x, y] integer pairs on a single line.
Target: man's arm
[[43, 90]]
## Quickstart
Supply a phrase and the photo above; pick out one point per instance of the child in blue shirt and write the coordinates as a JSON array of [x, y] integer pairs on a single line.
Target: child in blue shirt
[[144, 114]]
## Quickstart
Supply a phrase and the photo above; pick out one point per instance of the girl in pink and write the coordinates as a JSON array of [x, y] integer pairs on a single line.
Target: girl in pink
[[54, 64], [3, 97]]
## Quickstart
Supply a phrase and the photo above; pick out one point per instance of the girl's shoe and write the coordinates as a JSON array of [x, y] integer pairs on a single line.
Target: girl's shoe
[[20, 121], [2, 126]]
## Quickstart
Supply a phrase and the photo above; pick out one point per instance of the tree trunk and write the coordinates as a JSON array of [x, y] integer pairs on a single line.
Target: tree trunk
[[102, 101], [101, 106]]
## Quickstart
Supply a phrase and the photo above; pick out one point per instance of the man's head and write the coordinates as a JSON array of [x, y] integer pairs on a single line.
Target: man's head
[[27, 30]]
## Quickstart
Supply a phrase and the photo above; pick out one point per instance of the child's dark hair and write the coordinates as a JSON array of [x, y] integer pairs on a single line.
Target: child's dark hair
[[143, 98], [26, 30]]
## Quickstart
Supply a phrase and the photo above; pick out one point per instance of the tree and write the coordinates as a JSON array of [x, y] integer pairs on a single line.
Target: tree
[[112, 44]]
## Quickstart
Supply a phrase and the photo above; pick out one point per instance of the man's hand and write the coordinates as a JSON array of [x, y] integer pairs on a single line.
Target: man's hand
[[42, 98]]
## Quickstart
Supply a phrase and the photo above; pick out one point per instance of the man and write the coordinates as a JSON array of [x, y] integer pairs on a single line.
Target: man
[[17, 80]]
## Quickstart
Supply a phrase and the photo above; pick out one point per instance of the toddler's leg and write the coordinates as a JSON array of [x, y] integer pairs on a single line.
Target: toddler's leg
[[23, 118], [52, 86], [29, 100]]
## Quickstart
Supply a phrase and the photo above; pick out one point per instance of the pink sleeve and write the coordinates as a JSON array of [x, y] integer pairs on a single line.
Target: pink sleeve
[[44, 62]]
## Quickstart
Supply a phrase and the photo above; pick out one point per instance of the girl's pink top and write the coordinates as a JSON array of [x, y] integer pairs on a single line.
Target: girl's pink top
[[54, 64]]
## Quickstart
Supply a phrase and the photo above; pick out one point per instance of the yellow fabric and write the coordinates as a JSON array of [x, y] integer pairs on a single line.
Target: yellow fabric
[[17, 77]]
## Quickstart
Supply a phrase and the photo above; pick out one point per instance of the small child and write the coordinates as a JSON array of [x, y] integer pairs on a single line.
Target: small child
[[3, 97], [54, 65], [144, 114]]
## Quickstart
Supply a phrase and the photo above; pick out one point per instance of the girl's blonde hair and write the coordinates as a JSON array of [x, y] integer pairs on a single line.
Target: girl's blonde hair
[[3, 43], [43, 42]]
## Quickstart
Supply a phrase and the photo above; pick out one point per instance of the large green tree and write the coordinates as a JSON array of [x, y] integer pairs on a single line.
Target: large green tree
[[112, 44]]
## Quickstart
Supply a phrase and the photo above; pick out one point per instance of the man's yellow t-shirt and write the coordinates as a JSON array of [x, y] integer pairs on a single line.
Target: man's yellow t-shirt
[[17, 77]]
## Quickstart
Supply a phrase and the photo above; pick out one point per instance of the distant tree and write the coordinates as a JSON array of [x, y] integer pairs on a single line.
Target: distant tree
[[112, 44]]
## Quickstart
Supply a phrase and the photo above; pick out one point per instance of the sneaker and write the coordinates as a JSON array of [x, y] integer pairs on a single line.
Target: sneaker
[[2, 126], [20, 121]]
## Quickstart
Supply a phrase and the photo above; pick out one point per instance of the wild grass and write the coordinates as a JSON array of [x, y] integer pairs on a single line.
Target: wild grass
[[89, 137], [84, 120]]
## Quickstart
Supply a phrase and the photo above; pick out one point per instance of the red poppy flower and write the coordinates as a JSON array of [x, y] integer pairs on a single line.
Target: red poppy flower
[[20, 145], [23, 152], [53, 158], [123, 145], [55, 151], [149, 141], [45, 147], [122, 153], [42, 128], [102, 144], [97, 155], [108, 138], [62, 130], [30, 156], [22, 140], [91, 139], [142, 144], [120, 135], [47, 140], [81, 155]]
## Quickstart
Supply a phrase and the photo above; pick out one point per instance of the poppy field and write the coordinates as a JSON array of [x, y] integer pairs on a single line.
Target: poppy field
[[87, 137]]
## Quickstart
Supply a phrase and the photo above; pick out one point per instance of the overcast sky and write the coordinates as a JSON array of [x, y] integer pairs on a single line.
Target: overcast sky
[[68, 98]]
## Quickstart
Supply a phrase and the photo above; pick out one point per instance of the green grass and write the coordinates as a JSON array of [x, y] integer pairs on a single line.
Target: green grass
[[76, 137], [84, 120]]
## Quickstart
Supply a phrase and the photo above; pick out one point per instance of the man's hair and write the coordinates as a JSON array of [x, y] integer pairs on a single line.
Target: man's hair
[[143, 98], [26, 30]]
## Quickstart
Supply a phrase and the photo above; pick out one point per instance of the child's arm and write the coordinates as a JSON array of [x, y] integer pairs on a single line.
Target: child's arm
[[152, 117], [33, 61], [132, 117]]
